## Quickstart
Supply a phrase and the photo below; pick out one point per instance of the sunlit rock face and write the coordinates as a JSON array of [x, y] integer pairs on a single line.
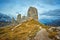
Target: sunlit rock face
[[32, 12]]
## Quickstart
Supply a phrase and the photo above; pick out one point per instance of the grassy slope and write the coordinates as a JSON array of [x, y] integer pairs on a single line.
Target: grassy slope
[[27, 30]]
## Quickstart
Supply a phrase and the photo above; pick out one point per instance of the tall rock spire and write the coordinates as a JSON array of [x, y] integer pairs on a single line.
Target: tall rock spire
[[32, 12]]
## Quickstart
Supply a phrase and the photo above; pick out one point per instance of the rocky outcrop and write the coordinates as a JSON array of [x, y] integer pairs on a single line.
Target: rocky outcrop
[[19, 18], [42, 35], [23, 18], [50, 34], [32, 12]]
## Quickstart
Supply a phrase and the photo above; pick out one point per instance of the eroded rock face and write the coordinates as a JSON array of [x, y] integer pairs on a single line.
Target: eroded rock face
[[32, 12], [42, 35]]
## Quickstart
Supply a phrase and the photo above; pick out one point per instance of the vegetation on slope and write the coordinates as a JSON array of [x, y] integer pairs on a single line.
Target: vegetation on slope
[[24, 31]]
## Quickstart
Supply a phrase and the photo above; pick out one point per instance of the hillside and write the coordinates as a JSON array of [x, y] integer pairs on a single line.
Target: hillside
[[24, 31]]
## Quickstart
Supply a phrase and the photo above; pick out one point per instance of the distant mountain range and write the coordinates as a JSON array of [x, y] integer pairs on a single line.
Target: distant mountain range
[[55, 12], [50, 22], [4, 19], [53, 21]]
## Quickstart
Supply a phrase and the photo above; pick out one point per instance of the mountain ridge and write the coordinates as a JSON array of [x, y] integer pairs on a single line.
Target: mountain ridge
[[4, 20]]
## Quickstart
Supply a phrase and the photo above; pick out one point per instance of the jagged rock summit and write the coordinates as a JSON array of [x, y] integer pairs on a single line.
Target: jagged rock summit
[[32, 13]]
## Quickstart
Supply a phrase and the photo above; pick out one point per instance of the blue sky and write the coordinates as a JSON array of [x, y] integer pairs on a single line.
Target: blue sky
[[13, 7]]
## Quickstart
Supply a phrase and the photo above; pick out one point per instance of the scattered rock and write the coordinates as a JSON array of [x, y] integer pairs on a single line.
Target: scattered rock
[[42, 35]]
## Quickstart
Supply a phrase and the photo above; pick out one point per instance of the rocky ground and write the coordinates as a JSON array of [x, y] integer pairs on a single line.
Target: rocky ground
[[51, 34]]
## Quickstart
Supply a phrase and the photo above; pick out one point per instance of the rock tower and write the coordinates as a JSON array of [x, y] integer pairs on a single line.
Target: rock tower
[[23, 18], [32, 12], [19, 18], [13, 20]]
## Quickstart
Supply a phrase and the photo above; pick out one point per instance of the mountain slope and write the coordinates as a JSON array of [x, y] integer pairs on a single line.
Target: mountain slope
[[28, 30], [24, 31]]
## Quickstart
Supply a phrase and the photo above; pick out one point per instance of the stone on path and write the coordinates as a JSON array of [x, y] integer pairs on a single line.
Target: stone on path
[[42, 35]]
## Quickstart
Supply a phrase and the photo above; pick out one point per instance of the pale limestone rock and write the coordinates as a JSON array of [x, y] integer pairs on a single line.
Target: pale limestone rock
[[32, 12], [42, 35], [24, 18]]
